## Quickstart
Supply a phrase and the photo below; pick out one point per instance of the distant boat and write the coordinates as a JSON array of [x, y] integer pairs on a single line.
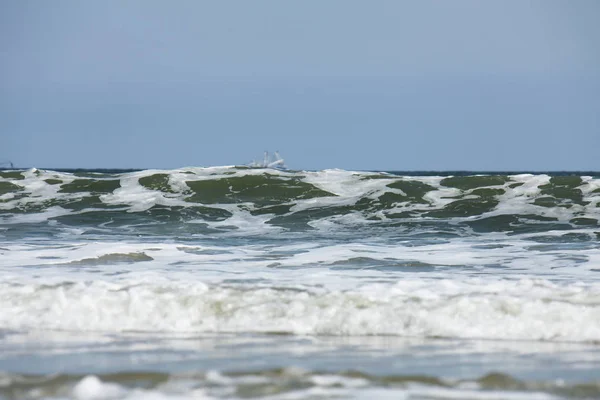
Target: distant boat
[[7, 164], [269, 161]]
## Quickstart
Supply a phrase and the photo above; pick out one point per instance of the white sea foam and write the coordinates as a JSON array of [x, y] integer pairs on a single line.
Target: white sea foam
[[468, 308], [516, 255], [377, 264]]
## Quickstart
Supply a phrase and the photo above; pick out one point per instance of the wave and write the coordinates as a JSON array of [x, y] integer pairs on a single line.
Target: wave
[[218, 199], [526, 309], [285, 383]]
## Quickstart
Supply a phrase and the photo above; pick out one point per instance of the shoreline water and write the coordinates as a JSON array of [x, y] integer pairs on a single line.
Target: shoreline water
[[228, 282]]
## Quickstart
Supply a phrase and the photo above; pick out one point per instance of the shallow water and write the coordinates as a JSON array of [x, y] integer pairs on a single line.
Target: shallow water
[[231, 282]]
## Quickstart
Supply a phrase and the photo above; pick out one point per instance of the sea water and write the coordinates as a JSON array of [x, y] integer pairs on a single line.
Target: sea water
[[233, 282]]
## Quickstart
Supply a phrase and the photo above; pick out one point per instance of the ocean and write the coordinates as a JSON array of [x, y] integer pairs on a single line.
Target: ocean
[[242, 283]]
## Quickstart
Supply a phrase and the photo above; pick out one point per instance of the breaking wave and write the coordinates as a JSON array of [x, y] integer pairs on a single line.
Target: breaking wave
[[226, 199], [528, 309]]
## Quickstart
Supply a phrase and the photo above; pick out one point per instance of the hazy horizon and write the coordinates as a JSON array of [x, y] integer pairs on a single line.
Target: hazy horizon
[[387, 85]]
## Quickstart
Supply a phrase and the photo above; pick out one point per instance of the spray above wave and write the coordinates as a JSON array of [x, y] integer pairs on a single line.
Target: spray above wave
[[221, 199]]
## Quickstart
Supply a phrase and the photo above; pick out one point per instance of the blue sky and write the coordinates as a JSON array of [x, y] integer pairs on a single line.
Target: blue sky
[[390, 85]]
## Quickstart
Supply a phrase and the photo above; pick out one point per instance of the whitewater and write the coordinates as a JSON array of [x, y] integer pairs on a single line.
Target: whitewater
[[238, 282]]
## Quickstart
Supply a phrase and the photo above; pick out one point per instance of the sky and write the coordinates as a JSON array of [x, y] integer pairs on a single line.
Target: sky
[[363, 85]]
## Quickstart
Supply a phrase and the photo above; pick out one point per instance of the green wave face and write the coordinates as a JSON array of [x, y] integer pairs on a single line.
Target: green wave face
[[209, 200]]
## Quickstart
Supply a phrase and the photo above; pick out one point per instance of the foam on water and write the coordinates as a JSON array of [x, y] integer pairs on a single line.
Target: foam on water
[[471, 308], [93, 259], [494, 255]]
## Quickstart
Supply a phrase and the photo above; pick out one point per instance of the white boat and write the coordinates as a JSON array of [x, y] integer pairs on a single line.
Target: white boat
[[269, 161]]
